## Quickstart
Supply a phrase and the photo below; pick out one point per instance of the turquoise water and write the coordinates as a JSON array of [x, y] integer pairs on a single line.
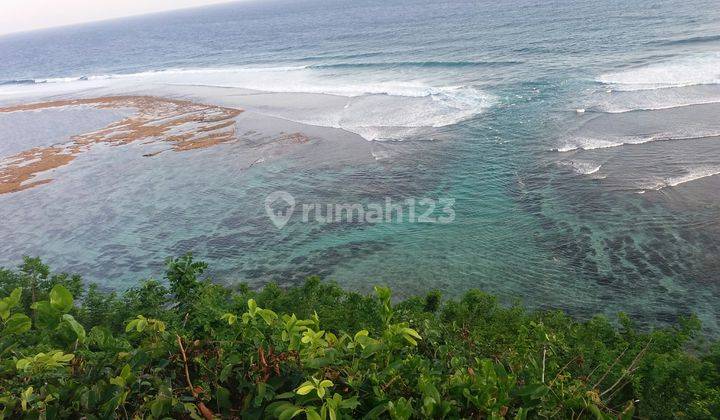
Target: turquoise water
[[578, 139]]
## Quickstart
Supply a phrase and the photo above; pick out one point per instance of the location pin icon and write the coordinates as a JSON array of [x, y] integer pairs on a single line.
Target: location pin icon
[[282, 215]]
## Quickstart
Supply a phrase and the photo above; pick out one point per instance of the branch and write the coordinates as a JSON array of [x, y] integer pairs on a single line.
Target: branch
[[206, 412], [617, 359], [630, 368], [185, 363]]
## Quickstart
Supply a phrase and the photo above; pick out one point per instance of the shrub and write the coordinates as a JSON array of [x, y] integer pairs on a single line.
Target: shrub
[[195, 349]]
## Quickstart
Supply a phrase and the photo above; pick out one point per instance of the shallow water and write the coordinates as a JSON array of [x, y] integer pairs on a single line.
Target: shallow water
[[579, 141]]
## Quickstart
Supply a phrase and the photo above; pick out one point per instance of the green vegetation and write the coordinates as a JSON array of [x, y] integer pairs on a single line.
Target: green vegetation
[[188, 348]]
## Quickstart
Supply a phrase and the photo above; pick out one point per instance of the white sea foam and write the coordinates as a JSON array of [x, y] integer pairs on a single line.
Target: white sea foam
[[703, 69], [693, 174], [380, 154], [589, 143], [592, 143], [382, 117], [379, 106], [583, 167], [657, 99], [677, 82]]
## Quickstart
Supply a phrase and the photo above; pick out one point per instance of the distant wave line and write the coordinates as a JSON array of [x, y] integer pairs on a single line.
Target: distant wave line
[[621, 110], [260, 69], [17, 82], [692, 40], [640, 86], [606, 144], [417, 64]]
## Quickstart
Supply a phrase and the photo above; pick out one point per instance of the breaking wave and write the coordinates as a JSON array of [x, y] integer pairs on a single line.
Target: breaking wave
[[380, 105]]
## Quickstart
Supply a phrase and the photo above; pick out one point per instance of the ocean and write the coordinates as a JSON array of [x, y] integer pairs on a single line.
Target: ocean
[[580, 142]]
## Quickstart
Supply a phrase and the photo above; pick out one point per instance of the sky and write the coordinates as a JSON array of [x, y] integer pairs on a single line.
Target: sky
[[26, 15]]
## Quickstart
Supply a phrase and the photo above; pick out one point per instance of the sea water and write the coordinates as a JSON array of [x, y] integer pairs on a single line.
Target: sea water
[[580, 141]]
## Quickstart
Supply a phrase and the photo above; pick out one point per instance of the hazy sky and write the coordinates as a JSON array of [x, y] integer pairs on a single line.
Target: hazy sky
[[25, 15]]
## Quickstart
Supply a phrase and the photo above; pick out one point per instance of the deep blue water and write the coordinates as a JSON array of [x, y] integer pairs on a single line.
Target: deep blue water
[[579, 140]]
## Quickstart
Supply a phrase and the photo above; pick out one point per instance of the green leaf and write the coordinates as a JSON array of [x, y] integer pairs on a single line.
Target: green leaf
[[311, 414], [10, 302], [61, 299], [223, 398], [252, 306], [126, 372], [305, 388], [22, 364], [382, 292], [278, 407], [318, 362], [78, 329], [192, 411], [533, 391], [160, 406], [268, 316], [17, 324], [14, 297], [261, 389], [376, 411], [141, 325], [230, 318], [25, 397], [412, 332], [138, 324], [410, 340], [131, 325], [47, 315], [103, 339], [62, 357], [290, 412], [4, 310], [118, 380], [350, 403], [361, 333]]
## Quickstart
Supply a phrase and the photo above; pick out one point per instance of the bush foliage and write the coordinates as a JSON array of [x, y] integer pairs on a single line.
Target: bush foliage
[[188, 348]]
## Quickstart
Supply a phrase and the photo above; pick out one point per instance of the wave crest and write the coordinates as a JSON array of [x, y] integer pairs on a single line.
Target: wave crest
[[379, 104], [687, 71]]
